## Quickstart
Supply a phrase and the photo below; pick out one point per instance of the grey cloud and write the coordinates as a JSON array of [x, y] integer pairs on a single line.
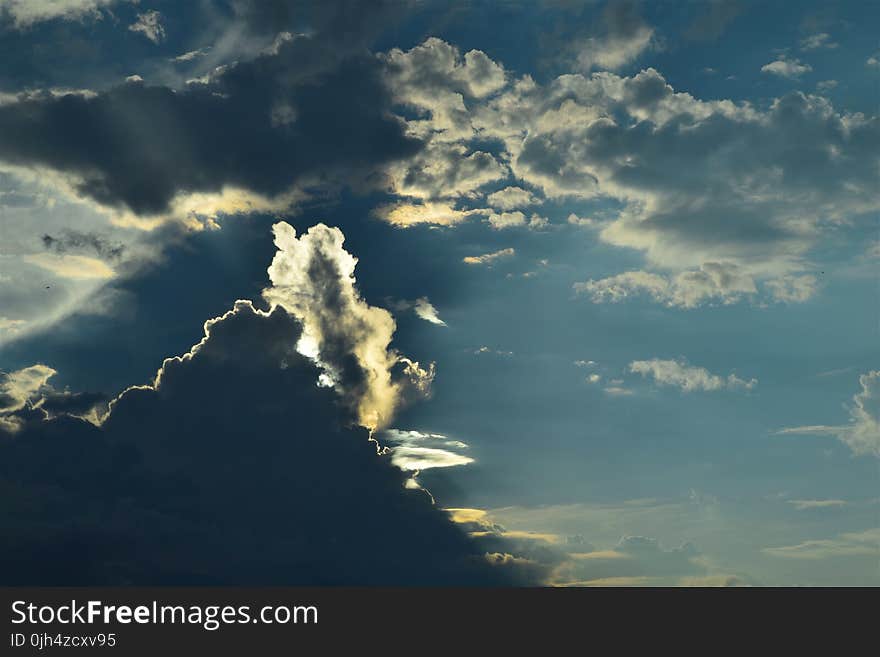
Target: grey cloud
[[139, 146], [73, 241]]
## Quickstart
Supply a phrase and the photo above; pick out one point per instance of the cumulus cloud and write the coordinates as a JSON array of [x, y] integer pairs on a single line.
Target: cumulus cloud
[[313, 278], [724, 283], [511, 198], [749, 220], [489, 258], [435, 78], [763, 190], [277, 484], [786, 68], [679, 374], [150, 25], [862, 434]]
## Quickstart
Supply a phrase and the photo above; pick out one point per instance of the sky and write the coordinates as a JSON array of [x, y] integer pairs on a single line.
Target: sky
[[428, 293]]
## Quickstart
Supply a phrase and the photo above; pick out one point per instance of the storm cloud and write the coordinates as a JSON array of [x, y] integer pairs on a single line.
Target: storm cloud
[[296, 115]]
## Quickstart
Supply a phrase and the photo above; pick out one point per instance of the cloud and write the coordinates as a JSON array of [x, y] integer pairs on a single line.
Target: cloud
[[169, 150], [873, 61], [679, 374], [74, 240], [277, 484], [445, 171], [818, 41], [72, 266], [417, 451], [808, 505], [25, 13], [404, 215], [511, 198], [713, 281], [507, 219], [623, 36], [437, 79], [850, 544], [425, 310], [313, 279], [766, 185], [150, 25], [862, 434], [19, 387], [489, 258], [786, 68]]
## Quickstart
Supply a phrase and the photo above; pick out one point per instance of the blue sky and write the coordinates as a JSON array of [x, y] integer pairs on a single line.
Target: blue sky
[[637, 241]]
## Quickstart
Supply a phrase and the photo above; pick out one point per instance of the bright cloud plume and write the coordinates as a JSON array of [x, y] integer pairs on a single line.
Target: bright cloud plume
[[313, 279]]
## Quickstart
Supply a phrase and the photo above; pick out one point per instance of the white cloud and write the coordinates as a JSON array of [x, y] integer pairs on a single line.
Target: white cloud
[[786, 68], [415, 450], [511, 198], [724, 283], [25, 13], [862, 434], [445, 171], [507, 219], [150, 25], [435, 78], [489, 258], [313, 279], [792, 289], [21, 386], [764, 184], [873, 61], [688, 378], [818, 41], [404, 215], [424, 309]]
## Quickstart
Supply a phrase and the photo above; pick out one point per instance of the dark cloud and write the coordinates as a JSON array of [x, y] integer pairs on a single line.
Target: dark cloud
[[293, 116], [234, 468], [73, 241]]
